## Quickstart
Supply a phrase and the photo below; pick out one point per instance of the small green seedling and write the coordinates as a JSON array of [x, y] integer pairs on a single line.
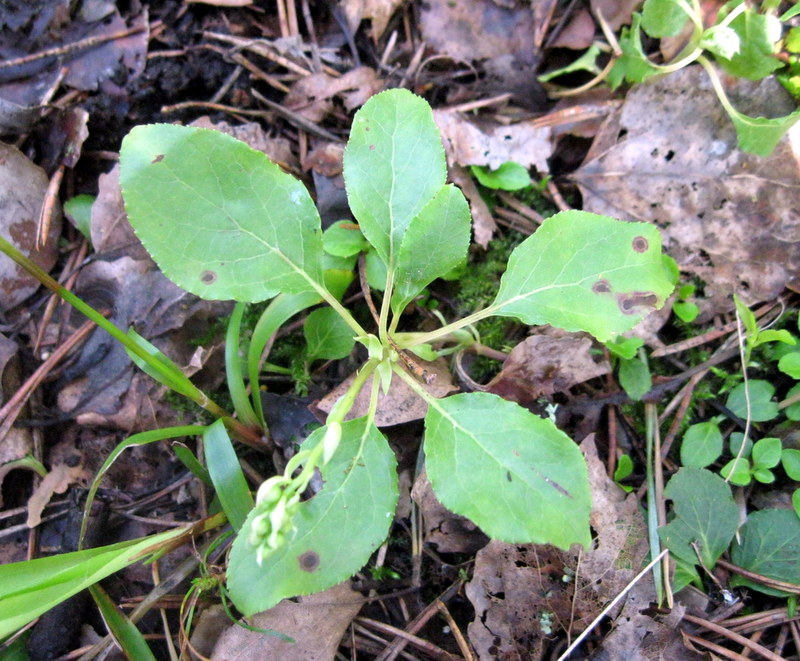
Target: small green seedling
[[224, 222]]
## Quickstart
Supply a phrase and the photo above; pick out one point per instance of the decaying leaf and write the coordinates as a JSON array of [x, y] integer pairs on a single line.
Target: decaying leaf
[[448, 532], [312, 96], [542, 365], [727, 217], [483, 225], [316, 623], [380, 11], [469, 143], [22, 190], [401, 404], [525, 594], [66, 468]]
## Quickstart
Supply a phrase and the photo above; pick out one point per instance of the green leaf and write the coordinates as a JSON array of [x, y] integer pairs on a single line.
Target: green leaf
[[233, 369], [624, 469], [772, 335], [219, 218], [79, 210], [226, 474], [796, 502], [766, 452], [721, 40], [790, 460], [737, 472], [735, 443], [764, 475], [705, 514], [393, 166], [514, 474], [435, 243], [758, 135], [762, 408], [624, 347], [790, 364], [509, 176], [28, 589], [586, 62], [335, 531], [581, 271], [770, 546], [791, 12], [632, 66], [327, 335], [663, 18], [130, 640], [701, 445], [160, 367], [634, 377], [758, 34], [793, 411], [685, 310], [343, 239]]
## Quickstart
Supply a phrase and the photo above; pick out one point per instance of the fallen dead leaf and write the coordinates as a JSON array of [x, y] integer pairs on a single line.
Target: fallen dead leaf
[[469, 142], [731, 219], [543, 364], [448, 532], [316, 623], [109, 229], [66, 468], [477, 29], [312, 96], [401, 404], [524, 594], [483, 224], [615, 12], [22, 191], [578, 33]]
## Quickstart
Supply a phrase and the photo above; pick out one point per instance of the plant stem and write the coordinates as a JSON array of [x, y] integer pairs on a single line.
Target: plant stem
[[413, 339]]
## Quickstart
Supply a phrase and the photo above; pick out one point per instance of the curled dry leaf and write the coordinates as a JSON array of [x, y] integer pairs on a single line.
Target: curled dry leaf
[[312, 96], [727, 217], [542, 365], [66, 468], [379, 11], [22, 191], [401, 404]]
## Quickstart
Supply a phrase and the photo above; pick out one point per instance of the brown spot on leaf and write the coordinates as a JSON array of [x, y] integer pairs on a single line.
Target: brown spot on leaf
[[632, 302], [157, 159], [208, 277], [372, 147], [640, 244], [309, 561], [601, 287]]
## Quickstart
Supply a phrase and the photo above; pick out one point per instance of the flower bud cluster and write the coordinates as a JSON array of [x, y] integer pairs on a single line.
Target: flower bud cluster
[[276, 505]]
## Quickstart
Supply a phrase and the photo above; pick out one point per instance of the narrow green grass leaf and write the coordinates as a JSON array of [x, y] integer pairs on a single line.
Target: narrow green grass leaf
[[335, 531], [28, 589], [514, 474], [580, 271], [226, 474], [219, 218], [125, 634], [233, 369], [393, 166]]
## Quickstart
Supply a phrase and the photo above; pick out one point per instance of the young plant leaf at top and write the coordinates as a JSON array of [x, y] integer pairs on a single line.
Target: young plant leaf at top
[[435, 243], [393, 166], [758, 36], [663, 18], [513, 473], [583, 272], [219, 218], [335, 531]]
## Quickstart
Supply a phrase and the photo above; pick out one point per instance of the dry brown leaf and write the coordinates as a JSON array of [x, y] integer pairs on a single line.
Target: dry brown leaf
[[380, 11], [579, 32], [469, 143], [542, 365], [401, 404], [312, 96], [109, 228], [477, 29], [22, 190], [483, 224], [66, 469], [316, 623], [615, 12], [448, 532], [730, 218], [524, 594]]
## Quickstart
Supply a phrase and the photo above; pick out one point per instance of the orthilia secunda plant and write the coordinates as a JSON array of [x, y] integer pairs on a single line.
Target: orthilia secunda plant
[[224, 222]]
